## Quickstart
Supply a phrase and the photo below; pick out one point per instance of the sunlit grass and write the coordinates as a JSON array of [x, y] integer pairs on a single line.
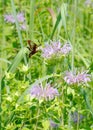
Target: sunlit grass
[[64, 21]]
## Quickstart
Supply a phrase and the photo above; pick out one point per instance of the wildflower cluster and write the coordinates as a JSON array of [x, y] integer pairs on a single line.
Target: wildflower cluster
[[71, 78], [75, 116], [47, 92], [55, 48], [20, 17]]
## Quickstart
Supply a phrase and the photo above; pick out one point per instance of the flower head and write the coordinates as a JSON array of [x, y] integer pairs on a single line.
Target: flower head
[[47, 92], [88, 2], [47, 51], [76, 117], [70, 78], [9, 18], [82, 77], [20, 17], [55, 48], [36, 91], [66, 48]]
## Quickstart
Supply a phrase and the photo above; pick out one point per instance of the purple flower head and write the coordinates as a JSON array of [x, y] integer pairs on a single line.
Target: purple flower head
[[66, 48], [9, 18], [47, 51], [53, 124], [76, 117], [36, 91], [83, 77], [71, 78], [88, 2], [55, 48], [50, 92], [20, 17], [47, 92]]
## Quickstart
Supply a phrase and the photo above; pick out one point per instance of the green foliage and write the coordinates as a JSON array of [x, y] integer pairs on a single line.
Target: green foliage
[[67, 21]]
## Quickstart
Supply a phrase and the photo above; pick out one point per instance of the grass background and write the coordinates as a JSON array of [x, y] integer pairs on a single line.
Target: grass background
[[67, 20]]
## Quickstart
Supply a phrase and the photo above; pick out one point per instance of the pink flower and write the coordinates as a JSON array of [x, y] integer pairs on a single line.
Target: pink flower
[[55, 48], [71, 78], [66, 48], [36, 91], [20, 17], [88, 2], [47, 51], [9, 18], [83, 77], [47, 92]]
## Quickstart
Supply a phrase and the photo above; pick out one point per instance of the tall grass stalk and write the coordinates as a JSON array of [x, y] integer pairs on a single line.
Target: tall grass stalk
[[74, 33], [31, 26], [18, 28], [42, 31]]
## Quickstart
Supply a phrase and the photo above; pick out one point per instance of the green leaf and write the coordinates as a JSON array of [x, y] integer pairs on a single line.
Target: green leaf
[[45, 124], [56, 25], [17, 59], [86, 98], [31, 28], [4, 60], [63, 15]]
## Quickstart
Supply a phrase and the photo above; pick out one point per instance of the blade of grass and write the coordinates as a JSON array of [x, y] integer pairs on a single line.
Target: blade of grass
[[60, 18], [4, 60], [31, 27], [17, 59], [63, 15], [56, 25], [43, 35], [82, 58], [18, 28], [74, 34], [86, 98]]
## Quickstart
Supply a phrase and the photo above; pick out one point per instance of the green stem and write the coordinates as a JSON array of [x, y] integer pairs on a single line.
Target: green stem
[[31, 28], [74, 33], [18, 28]]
